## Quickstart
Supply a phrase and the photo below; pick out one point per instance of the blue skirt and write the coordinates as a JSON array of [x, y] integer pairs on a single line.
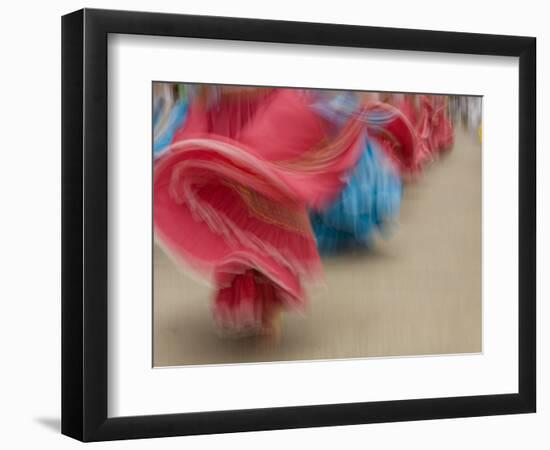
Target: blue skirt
[[370, 200]]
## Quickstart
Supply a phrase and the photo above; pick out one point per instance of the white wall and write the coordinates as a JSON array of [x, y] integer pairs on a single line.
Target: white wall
[[30, 221]]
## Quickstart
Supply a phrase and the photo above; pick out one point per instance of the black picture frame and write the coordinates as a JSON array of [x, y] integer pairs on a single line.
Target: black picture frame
[[84, 224]]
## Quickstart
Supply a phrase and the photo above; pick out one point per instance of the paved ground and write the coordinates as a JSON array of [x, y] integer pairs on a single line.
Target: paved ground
[[418, 292]]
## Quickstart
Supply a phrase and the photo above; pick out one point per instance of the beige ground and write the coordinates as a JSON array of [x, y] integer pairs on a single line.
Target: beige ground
[[419, 292]]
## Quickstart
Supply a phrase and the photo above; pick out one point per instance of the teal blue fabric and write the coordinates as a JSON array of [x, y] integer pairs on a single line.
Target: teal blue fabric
[[371, 199]]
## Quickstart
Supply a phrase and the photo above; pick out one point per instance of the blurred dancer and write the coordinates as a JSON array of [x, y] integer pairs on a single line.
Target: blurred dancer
[[371, 197], [232, 193]]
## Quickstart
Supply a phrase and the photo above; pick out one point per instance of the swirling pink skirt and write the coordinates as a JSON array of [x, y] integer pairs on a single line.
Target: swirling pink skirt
[[418, 132], [231, 198]]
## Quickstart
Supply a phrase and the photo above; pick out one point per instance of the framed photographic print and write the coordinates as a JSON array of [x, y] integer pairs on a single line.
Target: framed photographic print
[[273, 224]]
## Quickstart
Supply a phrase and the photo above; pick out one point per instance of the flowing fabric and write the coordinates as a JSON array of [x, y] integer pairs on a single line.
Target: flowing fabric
[[397, 137], [232, 194], [164, 130], [421, 128], [434, 124], [369, 202]]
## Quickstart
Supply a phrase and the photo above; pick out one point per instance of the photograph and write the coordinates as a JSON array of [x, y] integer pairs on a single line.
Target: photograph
[[303, 224], [275, 225]]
